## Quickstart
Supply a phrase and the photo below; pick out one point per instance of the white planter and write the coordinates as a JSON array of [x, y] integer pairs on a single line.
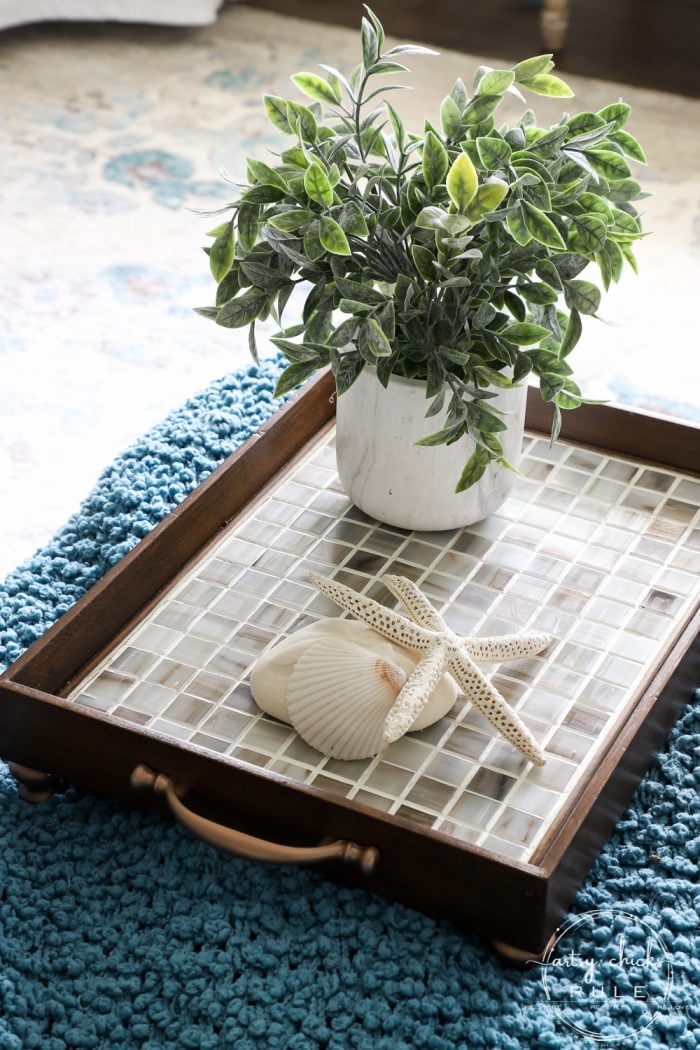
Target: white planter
[[390, 478]]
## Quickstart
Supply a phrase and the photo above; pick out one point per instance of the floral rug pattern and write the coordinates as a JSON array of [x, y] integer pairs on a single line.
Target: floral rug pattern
[[113, 140]]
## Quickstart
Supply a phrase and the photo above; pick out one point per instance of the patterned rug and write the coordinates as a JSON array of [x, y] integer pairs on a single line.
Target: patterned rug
[[118, 930], [113, 139]]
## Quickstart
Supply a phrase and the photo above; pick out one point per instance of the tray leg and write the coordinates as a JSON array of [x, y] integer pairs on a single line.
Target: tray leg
[[33, 785]]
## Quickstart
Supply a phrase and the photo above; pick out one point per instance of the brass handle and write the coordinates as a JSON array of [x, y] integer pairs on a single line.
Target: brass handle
[[231, 841]]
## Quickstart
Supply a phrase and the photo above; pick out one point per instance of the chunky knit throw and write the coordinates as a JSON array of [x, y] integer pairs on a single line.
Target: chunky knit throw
[[117, 929]]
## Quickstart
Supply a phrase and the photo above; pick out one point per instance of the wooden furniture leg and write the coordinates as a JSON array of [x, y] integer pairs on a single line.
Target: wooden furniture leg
[[34, 786], [554, 20]]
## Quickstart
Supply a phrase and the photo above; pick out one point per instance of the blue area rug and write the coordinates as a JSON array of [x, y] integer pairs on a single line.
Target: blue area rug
[[119, 930]]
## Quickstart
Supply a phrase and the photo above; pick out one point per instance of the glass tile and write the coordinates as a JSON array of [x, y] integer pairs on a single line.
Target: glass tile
[[133, 661], [431, 794], [266, 736], [678, 510], [491, 783], [531, 798], [213, 628], [368, 798], [258, 532], [384, 542], [92, 702], [155, 639], [688, 490], [111, 686], [619, 671], [139, 718], [568, 744], [389, 779], [618, 470], [193, 651], [170, 673], [590, 723], [209, 686], [241, 552], [149, 698], [516, 827], [227, 723], [451, 769], [407, 753], [177, 615], [217, 571], [454, 563], [415, 816], [242, 699], [302, 752], [253, 758], [287, 769], [330, 784], [662, 601], [459, 831], [251, 639], [348, 770], [188, 709], [199, 593], [209, 743], [473, 809], [228, 662]]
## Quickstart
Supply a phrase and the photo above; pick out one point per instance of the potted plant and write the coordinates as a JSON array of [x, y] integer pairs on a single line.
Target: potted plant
[[442, 268]]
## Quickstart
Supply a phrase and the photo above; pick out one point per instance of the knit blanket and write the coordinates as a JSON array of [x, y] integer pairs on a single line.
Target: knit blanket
[[117, 929]]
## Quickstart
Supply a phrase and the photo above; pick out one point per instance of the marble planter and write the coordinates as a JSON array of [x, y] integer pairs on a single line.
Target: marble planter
[[391, 479]]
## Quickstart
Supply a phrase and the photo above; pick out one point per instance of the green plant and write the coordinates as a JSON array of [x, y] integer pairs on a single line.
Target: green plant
[[446, 254]]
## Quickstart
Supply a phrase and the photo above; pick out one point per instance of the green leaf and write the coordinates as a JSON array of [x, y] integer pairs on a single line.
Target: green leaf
[[241, 311], [546, 84], [523, 333], [377, 342], [346, 368], [352, 220], [441, 437], [518, 230], [423, 260], [629, 255], [263, 276], [450, 117], [630, 145], [332, 237], [462, 182], [396, 124], [582, 296], [585, 122], [608, 164], [515, 305], [248, 216], [276, 110], [370, 44], [210, 312], [431, 218], [291, 221], [301, 120], [410, 49], [572, 334], [229, 287], [387, 67], [317, 88], [266, 175], [495, 82], [540, 227], [480, 109], [295, 374], [313, 249], [487, 198], [624, 226], [532, 67], [317, 184], [263, 195], [616, 114], [569, 264], [614, 254], [222, 252], [493, 151], [591, 232], [477, 464], [624, 190], [435, 160], [540, 294]]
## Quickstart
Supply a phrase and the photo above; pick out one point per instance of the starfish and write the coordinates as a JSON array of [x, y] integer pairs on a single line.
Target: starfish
[[426, 632]]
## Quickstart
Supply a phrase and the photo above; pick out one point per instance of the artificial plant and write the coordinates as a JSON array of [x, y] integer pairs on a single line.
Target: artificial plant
[[453, 256]]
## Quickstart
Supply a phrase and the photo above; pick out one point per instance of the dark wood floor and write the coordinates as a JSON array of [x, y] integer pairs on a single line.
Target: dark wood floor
[[652, 43]]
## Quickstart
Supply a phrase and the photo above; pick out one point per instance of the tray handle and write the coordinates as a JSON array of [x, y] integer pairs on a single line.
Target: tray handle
[[230, 841]]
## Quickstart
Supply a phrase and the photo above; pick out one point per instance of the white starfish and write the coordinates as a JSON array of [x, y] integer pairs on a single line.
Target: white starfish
[[426, 632]]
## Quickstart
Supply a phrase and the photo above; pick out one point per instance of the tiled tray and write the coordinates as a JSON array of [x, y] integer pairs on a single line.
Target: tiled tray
[[599, 549]]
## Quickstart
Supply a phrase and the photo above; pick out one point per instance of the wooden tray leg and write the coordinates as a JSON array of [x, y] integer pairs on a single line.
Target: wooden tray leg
[[33, 785]]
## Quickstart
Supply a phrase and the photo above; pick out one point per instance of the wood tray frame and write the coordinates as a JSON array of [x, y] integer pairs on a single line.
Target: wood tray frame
[[515, 904]]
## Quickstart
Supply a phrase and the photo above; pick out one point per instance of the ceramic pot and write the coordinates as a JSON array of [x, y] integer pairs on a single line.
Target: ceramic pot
[[392, 479]]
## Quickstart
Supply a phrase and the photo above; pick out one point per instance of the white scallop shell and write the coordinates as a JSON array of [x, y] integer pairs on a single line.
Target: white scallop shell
[[338, 699], [270, 678]]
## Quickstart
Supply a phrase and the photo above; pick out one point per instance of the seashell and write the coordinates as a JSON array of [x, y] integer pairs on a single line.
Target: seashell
[[271, 676], [339, 697]]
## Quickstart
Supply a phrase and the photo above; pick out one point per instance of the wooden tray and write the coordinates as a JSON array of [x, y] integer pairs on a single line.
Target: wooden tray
[[139, 691]]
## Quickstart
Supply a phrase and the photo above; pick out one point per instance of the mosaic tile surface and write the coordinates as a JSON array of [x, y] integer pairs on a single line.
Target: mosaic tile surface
[[599, 551]]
